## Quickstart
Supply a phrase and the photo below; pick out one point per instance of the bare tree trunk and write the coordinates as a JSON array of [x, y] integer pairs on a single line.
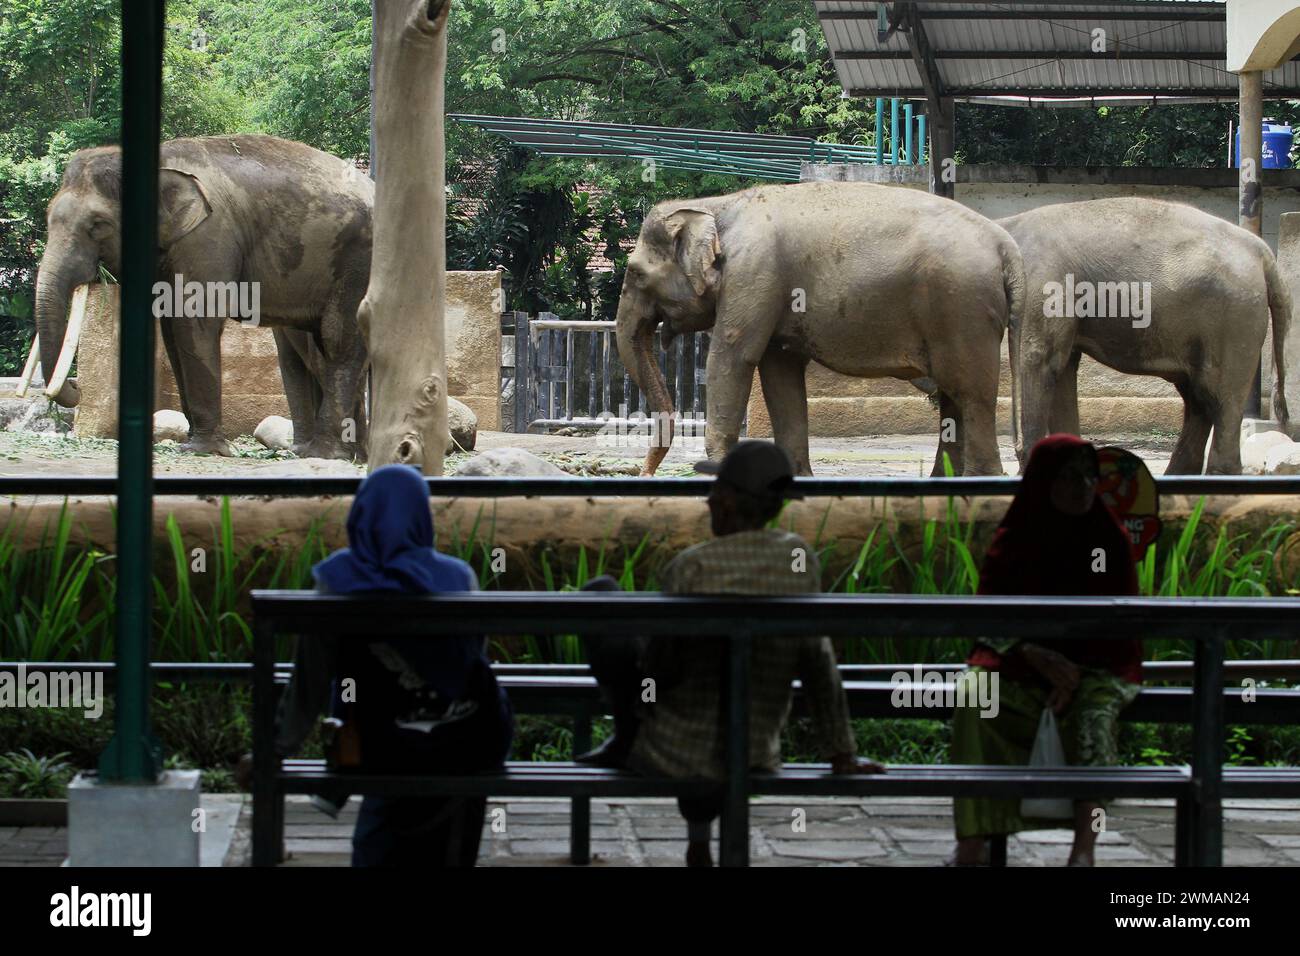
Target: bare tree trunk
[[402, 313]]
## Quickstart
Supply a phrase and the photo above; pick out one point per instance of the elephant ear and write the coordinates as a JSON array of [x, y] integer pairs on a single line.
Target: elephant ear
[[182, 205], [694, 233]]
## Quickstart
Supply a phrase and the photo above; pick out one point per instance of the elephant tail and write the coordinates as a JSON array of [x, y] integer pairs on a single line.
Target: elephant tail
[[1013, 280], [1279, 306]]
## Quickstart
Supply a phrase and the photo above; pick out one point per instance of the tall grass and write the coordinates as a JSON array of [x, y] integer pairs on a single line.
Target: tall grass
[[199, 609], [57, 600], [42, 616]]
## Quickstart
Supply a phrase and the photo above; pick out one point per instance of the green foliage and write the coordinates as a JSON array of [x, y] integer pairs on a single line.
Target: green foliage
[[47, 607], [23, 774]]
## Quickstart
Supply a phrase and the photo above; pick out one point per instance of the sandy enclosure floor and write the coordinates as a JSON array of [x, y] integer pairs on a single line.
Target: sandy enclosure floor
[[870, 456]]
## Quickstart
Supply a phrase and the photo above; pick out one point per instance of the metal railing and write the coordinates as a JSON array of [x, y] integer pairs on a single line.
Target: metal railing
[[453, 487], [568, 373]]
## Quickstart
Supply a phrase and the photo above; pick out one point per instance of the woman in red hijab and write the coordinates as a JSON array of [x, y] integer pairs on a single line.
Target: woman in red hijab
[[1057, 538]]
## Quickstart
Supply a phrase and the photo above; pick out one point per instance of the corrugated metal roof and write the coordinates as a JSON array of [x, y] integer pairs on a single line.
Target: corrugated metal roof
[[1044, 49]]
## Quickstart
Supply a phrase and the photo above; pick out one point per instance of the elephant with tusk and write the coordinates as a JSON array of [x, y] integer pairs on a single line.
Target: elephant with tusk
[[872, 281], [1148, 287], [286, 225]]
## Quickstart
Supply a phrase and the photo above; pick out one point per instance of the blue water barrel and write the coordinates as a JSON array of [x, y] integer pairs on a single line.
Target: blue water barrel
[[1277, 146]]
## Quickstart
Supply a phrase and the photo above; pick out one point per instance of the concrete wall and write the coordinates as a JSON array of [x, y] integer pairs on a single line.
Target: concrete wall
[[250, 371], [1262, 34], [1109, 402], [474, 305]]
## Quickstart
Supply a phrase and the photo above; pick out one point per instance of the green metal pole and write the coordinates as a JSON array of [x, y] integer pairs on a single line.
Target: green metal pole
[[880, 130], [920, 135], [893, 132], [133, 755], [907, 134]]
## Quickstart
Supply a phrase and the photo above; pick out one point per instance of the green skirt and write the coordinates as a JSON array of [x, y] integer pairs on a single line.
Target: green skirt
[[1089, 733]]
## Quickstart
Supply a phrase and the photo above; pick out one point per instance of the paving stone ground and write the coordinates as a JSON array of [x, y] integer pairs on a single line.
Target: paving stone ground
[[822, 832]]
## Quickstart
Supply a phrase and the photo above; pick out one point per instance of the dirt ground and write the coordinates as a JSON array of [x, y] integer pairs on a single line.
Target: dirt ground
[[910, 456]]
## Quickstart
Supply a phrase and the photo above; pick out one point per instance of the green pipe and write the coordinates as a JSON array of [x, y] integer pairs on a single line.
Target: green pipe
[[758, 166], [893, 131], [880, 130], [907, 134], [920, 135], [133, 755]]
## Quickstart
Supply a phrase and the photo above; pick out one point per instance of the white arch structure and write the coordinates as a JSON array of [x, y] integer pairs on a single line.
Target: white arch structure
[[1261, 35]]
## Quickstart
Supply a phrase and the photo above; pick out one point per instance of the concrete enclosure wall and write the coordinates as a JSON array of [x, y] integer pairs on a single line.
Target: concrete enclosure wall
[[250, 373], [1109, 402]]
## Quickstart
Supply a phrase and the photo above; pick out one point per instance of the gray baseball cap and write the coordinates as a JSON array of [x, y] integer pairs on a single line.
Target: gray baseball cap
[[755, 467]]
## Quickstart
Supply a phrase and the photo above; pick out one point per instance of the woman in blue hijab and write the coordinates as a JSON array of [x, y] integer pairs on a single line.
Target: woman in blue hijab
[[412, 704]]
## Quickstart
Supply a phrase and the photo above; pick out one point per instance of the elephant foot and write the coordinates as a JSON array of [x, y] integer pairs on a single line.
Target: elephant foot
[[321, 448], [208, 446]]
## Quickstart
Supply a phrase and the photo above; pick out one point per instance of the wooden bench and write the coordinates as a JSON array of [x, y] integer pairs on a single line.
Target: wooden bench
[[1198, 790]]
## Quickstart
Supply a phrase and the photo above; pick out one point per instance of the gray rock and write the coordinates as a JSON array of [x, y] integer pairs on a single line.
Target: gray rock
[[170, 425], [1282, 459], [463, 425], [41, 416], [275, 431], [1255, 449], [509, 463], [13, 409]]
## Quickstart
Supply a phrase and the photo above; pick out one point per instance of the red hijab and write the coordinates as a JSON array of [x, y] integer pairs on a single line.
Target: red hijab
[[1040, 550]]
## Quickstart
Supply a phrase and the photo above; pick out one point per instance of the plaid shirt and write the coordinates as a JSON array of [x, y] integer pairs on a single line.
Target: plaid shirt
[[681, 733]]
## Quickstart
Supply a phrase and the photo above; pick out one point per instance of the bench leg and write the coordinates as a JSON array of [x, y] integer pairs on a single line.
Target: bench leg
[[998, 849], [1182, 832], [281, 854], [735, 792], [580, 807], [1205, 822], [266, 847]]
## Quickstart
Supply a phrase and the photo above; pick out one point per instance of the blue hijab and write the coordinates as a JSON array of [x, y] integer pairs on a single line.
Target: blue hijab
[[390, 533]]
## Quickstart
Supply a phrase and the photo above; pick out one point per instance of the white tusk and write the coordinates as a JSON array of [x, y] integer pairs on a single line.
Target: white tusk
[[76, 317], [29, 369]]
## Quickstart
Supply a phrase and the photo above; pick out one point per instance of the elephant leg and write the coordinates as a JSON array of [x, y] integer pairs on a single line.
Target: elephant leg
[[195, 352], [1042, 350], [785, 391], [978, 433], [1189, 453], [1225, 443], [1064, 416], [968, 378], [339, 429], [730, 379], [950, 432], [363, 427], [300, 388], [174, 360]]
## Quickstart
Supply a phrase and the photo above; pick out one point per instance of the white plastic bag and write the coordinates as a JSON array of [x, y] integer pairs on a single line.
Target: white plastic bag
[[1047, 752]]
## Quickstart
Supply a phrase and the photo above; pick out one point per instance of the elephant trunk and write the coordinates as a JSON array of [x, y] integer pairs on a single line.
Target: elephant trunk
[[635, 332], [53, 292]]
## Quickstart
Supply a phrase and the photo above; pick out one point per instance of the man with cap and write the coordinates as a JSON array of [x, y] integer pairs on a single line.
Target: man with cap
[[680, 733]]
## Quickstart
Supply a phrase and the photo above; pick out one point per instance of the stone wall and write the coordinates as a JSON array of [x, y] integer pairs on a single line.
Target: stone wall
[[250, 371], [474, 304]]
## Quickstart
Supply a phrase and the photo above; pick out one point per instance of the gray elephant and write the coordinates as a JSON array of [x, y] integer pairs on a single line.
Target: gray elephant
[[248, 209], [1146, 287], [872, 281]]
